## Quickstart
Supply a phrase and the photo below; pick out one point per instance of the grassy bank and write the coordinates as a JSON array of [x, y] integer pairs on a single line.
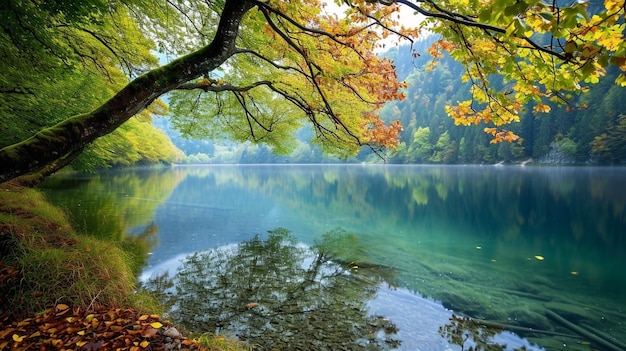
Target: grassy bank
[[46, 266]]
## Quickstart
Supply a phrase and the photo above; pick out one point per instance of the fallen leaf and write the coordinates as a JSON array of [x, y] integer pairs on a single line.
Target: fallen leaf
[[57, 343], [144, 344], [156, 325], [149, 333], [61, 307], [540, 258], [6, 332], [18, 338]]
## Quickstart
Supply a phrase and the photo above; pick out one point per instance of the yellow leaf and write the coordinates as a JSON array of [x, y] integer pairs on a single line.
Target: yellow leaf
[[612, 5], [144, 344], [17, 338], [540, 258], [81, 332], [156, 325]]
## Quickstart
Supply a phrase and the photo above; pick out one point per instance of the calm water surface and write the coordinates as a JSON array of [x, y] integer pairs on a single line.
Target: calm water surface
[[527, 247]]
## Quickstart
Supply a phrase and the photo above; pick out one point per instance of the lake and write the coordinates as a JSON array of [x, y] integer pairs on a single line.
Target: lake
[[375, 257]]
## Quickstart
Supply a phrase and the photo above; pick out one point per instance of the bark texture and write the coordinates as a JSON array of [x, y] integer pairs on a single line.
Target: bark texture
[[74, 133]]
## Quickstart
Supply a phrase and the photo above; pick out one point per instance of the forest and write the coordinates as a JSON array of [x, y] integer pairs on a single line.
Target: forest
[[594, 133], [528, 82], [93, 84]]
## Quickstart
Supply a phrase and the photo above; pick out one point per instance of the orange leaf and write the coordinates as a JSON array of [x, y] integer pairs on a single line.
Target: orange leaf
[[149, 333]]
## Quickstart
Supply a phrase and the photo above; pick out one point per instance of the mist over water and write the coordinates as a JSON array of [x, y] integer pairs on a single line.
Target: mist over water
[[509, 245]]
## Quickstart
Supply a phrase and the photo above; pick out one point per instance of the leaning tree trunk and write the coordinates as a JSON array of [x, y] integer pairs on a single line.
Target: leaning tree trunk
[[74, 133], [34, 178]]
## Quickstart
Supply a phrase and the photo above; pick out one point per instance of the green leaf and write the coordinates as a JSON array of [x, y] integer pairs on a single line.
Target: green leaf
[[516, 9], [485, 15], [549, 16], [571, 47]]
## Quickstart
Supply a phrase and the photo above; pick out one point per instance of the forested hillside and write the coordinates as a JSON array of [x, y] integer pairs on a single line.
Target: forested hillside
[[591, 130]]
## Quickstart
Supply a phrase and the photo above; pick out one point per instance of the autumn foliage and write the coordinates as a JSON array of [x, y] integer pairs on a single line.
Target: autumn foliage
[[545, 54], [73, 328]]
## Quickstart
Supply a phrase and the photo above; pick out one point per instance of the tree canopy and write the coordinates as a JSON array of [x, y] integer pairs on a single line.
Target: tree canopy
[[258, 70]]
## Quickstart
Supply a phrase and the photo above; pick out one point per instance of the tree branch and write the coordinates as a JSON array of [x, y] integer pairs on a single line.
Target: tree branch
[[74, 133], [328, 109], [469, 22], [247, 51], [210, 86]]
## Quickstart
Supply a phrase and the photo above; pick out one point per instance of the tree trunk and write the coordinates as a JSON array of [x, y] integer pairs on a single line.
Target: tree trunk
[[74, 133]]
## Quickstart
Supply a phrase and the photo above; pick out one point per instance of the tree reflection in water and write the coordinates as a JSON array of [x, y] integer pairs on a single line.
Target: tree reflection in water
[[278, 294], [472, 335]]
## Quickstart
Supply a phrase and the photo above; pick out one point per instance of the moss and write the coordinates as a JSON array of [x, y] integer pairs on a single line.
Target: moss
[[44, 263]]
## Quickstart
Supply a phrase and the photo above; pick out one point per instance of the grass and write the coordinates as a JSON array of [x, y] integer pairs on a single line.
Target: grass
[[43, 262], [222, 343], [55, 265]]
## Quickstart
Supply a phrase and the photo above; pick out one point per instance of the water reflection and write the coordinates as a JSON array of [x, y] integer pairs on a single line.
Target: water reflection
[[277, 294], [116, 206], [467, 236]]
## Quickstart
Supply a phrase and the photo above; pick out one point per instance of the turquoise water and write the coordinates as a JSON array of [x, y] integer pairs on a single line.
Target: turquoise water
[[528, 247]]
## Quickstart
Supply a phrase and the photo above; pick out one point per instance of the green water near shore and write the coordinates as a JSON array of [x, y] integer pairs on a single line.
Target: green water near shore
[[512, 245]]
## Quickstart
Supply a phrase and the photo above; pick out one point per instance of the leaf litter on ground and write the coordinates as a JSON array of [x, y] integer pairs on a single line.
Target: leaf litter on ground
[[73, 328]]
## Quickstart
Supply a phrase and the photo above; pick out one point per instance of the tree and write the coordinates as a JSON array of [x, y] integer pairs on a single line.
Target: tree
[[256, 70], [609, 148], [421, 147], [444, 150]]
